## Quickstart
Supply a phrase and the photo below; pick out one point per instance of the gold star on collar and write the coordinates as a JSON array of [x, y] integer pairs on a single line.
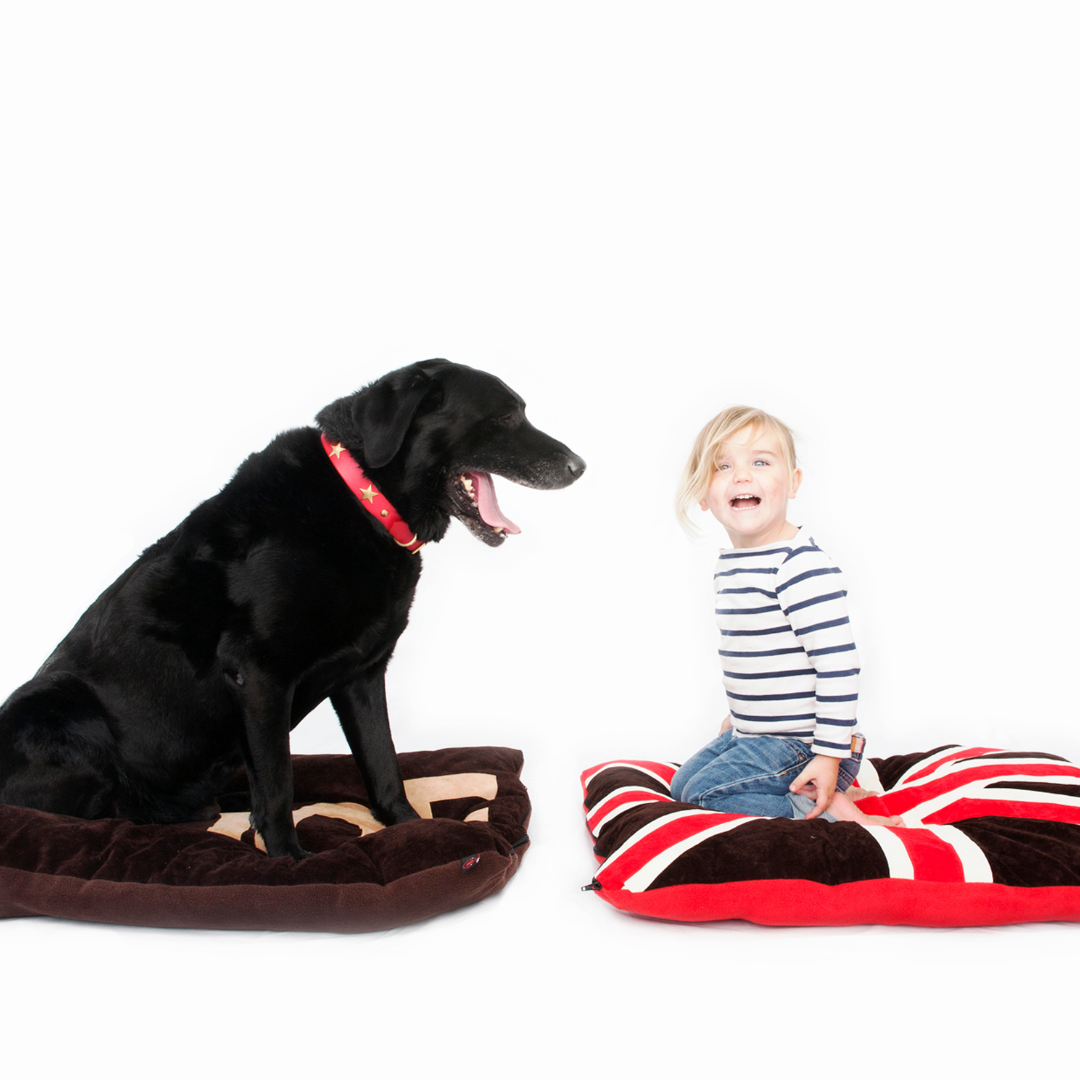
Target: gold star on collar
[[336, 450], [368, 493]]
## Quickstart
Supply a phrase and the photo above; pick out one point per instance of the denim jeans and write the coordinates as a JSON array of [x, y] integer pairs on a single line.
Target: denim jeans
[[751, 775]]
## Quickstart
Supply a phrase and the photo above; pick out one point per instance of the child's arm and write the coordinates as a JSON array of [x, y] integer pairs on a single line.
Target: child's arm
[[812, 594], [821, 771]]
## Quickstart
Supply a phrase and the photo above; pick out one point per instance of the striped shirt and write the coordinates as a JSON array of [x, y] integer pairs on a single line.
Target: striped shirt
[[790, 664]]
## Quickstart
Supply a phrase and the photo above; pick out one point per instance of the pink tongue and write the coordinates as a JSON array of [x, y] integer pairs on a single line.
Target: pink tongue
[[488, 505]]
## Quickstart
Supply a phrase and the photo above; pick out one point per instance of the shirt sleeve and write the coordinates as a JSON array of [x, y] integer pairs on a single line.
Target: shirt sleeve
[[813, 596]]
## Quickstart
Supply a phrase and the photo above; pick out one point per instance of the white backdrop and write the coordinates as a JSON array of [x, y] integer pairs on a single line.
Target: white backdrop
[[217, 217]]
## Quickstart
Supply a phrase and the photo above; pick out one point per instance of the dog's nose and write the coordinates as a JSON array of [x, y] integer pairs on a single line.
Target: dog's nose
[[575, 466]]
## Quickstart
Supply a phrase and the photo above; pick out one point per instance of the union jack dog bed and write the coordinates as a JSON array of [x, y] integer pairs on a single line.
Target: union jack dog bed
[[991, 837], [212, 874]]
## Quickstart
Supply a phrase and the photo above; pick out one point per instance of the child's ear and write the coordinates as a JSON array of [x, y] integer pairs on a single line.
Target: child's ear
[[796, 480], [703, 504]]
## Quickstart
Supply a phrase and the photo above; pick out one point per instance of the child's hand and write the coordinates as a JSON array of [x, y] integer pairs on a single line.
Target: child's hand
[[726, 724], [821, 773]]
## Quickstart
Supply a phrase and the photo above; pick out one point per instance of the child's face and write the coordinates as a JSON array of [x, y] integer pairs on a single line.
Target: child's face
[[750, 488]]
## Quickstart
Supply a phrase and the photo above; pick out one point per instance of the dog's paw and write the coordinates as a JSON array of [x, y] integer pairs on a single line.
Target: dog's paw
[[291, 851], [284, 845]]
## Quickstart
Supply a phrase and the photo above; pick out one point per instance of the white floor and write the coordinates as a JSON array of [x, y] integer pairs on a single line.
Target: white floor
[[542, 976], [218, 217]]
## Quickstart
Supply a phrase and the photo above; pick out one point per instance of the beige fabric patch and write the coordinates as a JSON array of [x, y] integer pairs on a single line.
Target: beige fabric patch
[[234, 825], [425, 790], [421, 793]]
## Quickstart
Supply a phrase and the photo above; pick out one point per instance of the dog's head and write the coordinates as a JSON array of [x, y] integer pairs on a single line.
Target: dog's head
[[432, 434]]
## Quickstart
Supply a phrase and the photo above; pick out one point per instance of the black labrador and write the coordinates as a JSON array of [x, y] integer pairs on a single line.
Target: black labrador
[[289, 586]]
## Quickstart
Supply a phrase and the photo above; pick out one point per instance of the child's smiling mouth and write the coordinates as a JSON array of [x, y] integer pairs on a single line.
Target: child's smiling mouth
[[744, 502]]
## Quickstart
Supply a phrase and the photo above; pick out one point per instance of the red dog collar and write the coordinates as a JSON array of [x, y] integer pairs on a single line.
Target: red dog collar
[[371, 498]]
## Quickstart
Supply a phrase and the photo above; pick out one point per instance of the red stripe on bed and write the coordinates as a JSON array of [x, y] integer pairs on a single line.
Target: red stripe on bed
[[931, 857], [964, 752], [664, 770], [613, 802], [886, 901], [904, 797], [621, 866], [964, 809]]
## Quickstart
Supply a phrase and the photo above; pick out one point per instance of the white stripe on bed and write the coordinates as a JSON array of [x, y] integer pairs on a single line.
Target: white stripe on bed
[[981, 789], [943, 768], [638, 834], [868, 778], [648, 796], [892, 847], [976, 868], [643, 878], [630, 765]]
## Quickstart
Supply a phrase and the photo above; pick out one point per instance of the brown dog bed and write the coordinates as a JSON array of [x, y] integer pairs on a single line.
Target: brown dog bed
[[212, 874]]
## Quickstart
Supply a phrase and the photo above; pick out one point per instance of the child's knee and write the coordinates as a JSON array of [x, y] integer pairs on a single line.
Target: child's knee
[[679, 781], [690, 787]]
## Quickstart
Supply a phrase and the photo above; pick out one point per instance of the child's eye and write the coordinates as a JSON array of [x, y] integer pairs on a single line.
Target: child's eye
[[761, 461], [722, 467]]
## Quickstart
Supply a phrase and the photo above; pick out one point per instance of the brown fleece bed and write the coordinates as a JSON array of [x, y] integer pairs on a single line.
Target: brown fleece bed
[[213, 875]]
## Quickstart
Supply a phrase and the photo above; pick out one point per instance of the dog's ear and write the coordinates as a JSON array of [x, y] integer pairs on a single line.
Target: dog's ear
[[378, 417], [383, 415]]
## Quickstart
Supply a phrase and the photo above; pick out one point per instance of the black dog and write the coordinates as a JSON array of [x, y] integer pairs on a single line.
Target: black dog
[[284, 589]]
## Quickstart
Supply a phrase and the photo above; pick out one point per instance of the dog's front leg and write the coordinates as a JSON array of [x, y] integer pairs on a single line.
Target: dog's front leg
[[361, 708], [265, 744]]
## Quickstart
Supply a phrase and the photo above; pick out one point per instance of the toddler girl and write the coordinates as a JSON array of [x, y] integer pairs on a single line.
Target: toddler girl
[[789, 747]]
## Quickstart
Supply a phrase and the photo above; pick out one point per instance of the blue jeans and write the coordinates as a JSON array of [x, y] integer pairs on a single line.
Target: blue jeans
[[751, 775]]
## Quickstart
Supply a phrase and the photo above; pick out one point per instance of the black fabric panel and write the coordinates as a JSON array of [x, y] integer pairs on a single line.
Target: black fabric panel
[[779, 848], [609, 780], [1025, 852], [890, 769]]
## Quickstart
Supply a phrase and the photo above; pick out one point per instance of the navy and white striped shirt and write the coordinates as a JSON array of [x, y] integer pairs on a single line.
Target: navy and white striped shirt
[[790, 664]]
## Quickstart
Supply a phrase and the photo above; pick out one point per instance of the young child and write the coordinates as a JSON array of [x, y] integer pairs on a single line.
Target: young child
[[789, 747]]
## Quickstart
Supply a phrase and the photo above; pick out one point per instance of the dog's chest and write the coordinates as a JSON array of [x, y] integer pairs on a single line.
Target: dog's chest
[[359, 618]]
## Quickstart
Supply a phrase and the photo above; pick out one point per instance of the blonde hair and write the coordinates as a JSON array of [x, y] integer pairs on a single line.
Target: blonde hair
[[697, 475]]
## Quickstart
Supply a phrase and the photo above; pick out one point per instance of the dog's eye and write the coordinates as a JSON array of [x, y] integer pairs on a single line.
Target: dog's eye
[[505, 421]]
